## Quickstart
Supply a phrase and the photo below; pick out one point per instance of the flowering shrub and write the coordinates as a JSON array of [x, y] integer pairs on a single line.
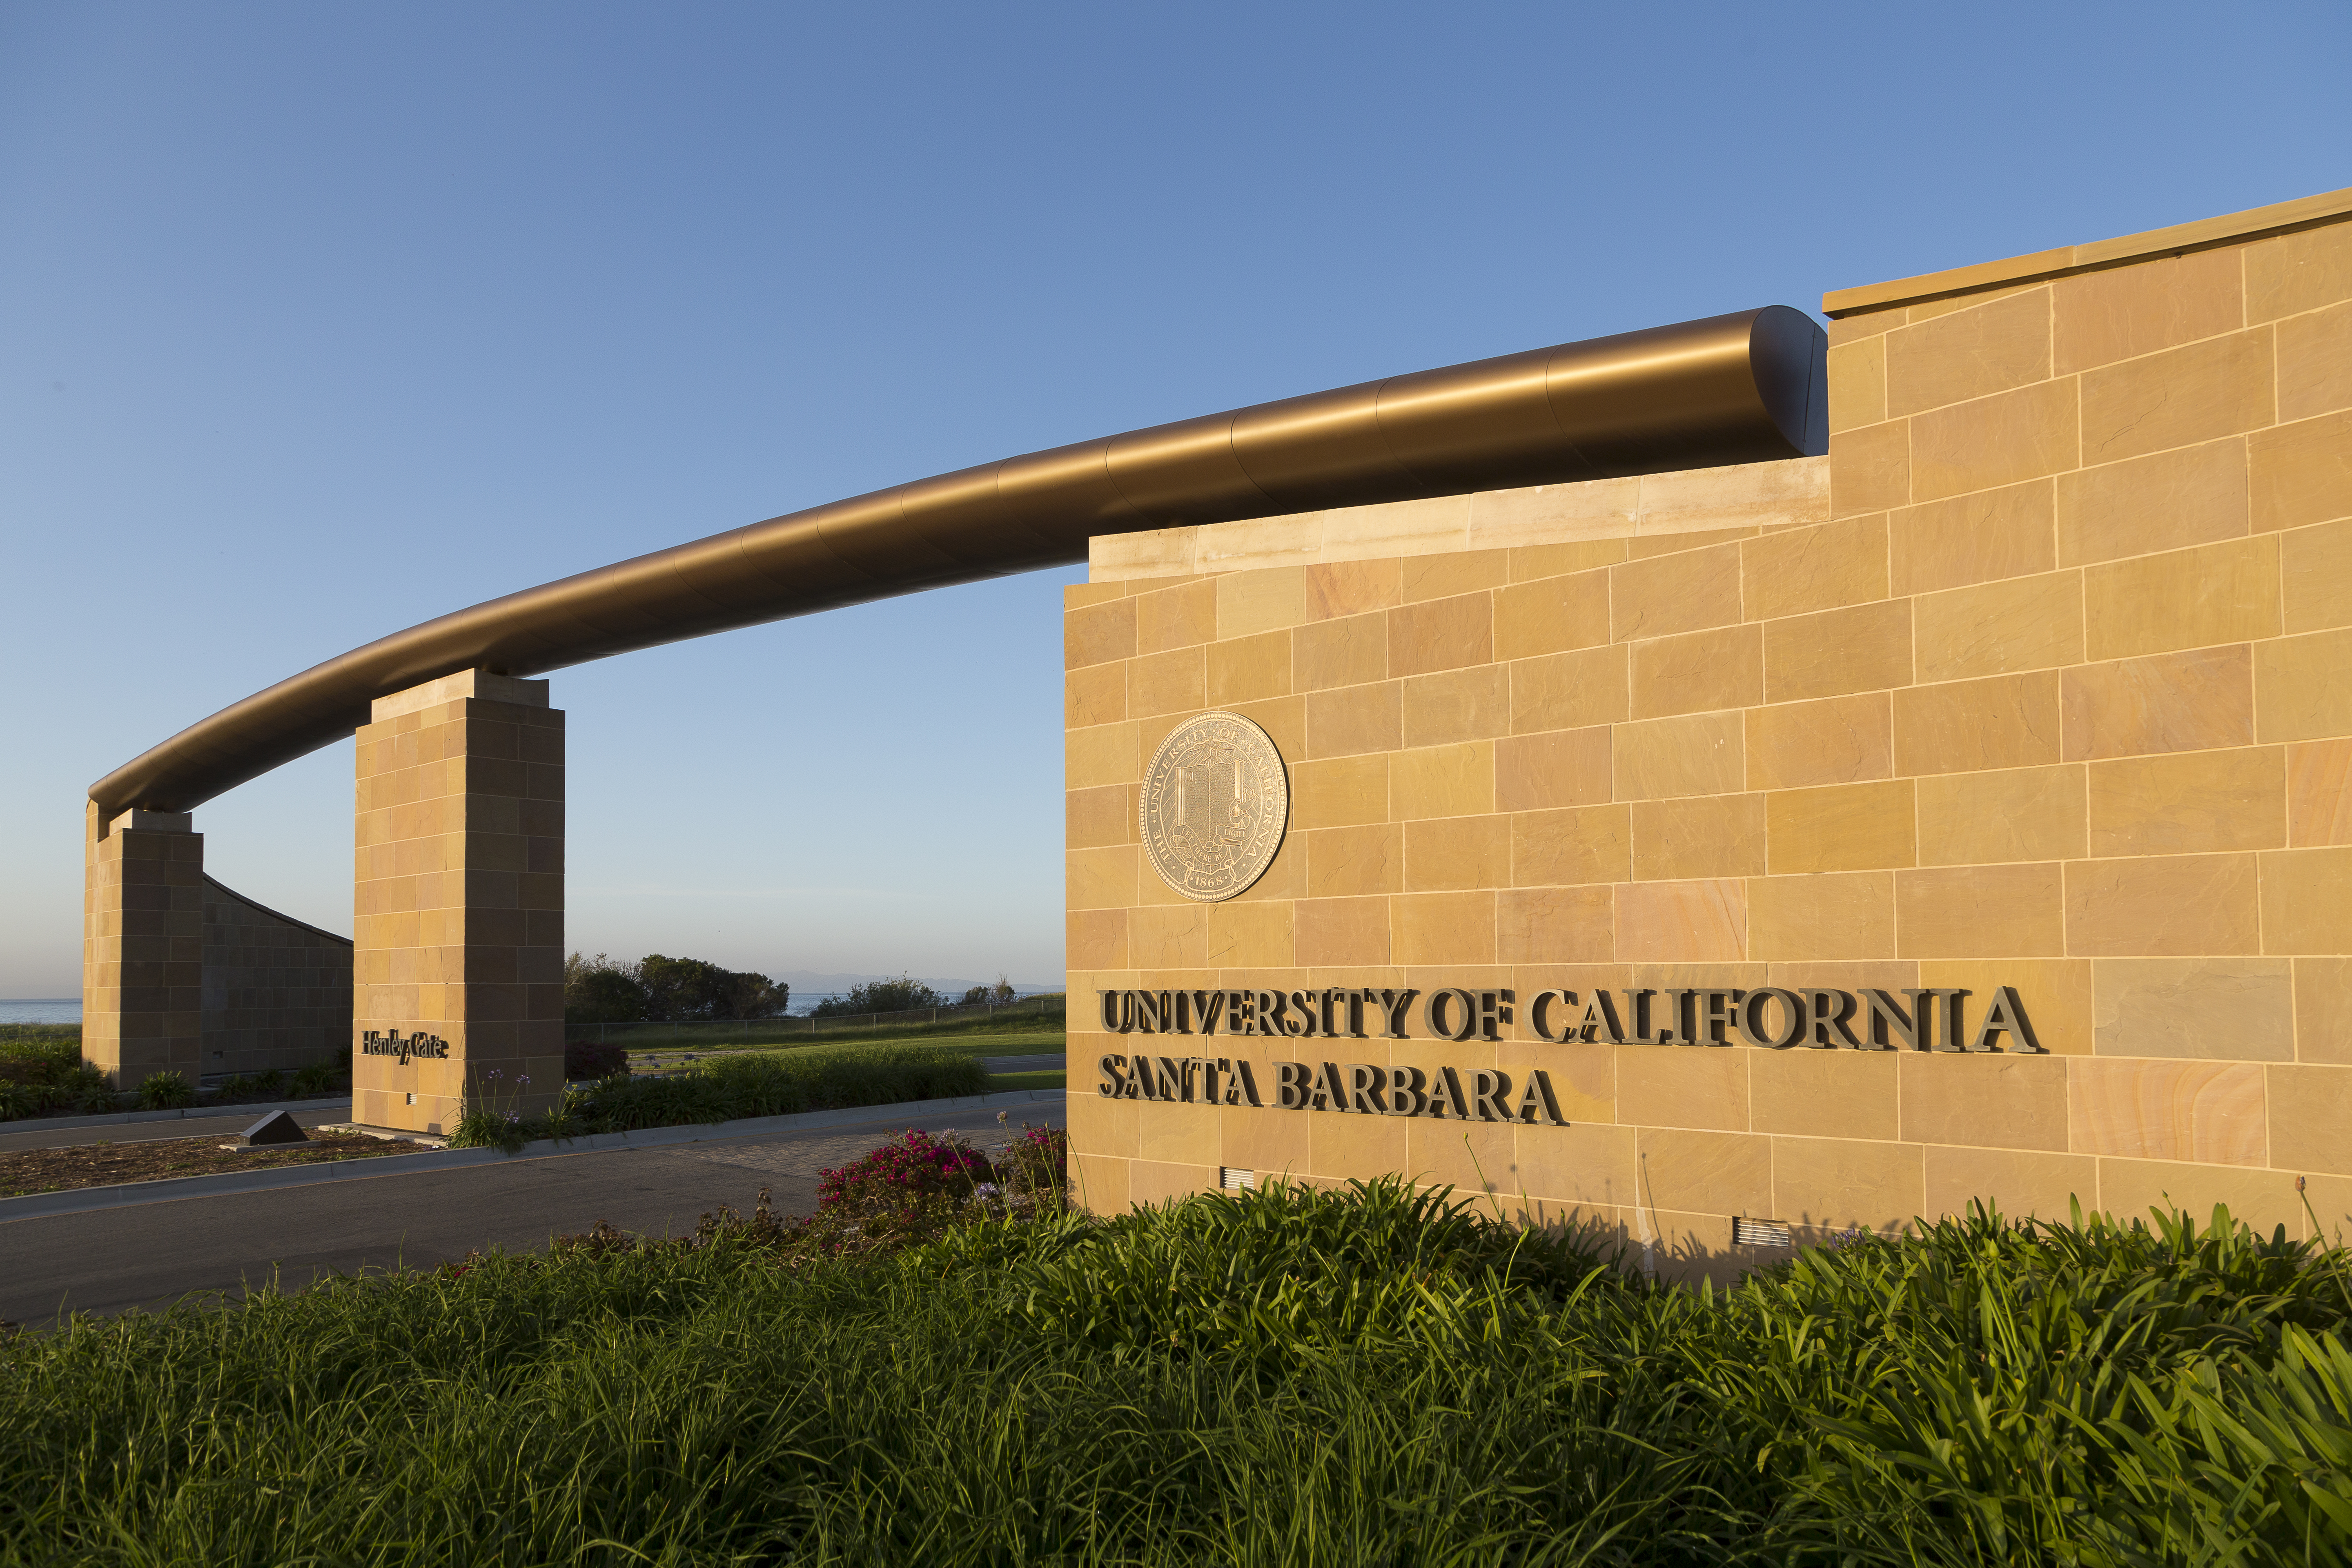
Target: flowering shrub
[[586, 1061], [917, 1188]]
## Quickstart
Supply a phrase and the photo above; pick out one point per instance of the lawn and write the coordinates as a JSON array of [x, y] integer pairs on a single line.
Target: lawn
[[769, 1033], [1005, 1082], [1290, 1377]]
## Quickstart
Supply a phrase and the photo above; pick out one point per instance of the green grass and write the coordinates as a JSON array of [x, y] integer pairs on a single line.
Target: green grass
[[768, 1034], [727, 1089], [1280, 1378], [1007, 1082]]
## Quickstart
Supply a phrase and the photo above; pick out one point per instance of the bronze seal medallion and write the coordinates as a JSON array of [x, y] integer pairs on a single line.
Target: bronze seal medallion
[[1215, 801]]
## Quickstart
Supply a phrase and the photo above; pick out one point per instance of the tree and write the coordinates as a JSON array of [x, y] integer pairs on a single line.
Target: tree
[[1000, 993], [683, 989], [900, 995], [660, 989], [599, 991]]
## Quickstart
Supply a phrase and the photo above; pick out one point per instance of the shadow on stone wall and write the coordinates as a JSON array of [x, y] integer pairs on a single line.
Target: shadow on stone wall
[[277, 991]]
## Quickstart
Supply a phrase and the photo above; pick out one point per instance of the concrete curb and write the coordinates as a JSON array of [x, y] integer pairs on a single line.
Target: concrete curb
[[123, 1118], [85, 1200]]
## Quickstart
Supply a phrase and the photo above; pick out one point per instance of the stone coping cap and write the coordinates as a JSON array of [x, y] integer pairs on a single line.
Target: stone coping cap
[[2255, 222]]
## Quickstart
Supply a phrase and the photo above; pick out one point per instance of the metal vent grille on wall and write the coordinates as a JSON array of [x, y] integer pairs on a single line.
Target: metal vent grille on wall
[[1235, 1180], [1759, 1233]]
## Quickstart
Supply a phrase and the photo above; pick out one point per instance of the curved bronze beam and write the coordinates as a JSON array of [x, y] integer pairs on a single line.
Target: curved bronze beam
[[1741, 388]]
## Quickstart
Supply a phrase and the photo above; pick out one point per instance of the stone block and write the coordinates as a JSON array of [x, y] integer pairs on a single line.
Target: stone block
[[1686, 591], [1994, 628], [2319, 794], [1836, 1183], [1825, 566], [2222, 387], [1969, 354], [1260, 601], [2315, 362], [2310, 1109], [1551, 614], [1857, 372], [1571, 690], [2304, 907], [1981, 911], [1706, 1172], [1841, 827], [1988, 442], [1173, 682], [1583, 1164], [1099, 633], [1699, 753], [1698, 836], [1848, 915], [1097, 939], [2129, 1189], [2315, 572], [1442, 781], [1343, 862], [1165, 936], [2176, 904], [1581, 845], [1981, 537], [1454, 573], [1989, 1101], [2123, 313], [1248, 670], [1864, 648], [2188, 803], [2297, 273], [2161, 702], [1351, 651], [1348, 588], [1809, 1093], [1565, 767], [1963, 726], [2057, 992], [1456, 853], [1343, 792], [1095, 817], [1834, 740], [2005, 815], [2303, 687], [1698, 672], [2234, 1009], [1443, 927], [1555, 925], [1441, 633], [2226, 593], [1094, 696], [1870, 468], [1470, 704], [1355, 720], [1697, 921]]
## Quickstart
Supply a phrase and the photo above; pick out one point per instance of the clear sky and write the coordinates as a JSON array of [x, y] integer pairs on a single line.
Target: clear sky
[[319, 320]]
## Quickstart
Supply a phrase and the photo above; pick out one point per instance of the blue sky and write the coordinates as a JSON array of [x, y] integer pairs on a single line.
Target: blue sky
[[316, 322]]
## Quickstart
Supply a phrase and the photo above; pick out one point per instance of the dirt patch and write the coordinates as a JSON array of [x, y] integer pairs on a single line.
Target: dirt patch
[[28, 1171]]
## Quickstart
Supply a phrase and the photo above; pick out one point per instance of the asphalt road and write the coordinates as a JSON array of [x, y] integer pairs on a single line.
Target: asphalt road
[[152, 1255]]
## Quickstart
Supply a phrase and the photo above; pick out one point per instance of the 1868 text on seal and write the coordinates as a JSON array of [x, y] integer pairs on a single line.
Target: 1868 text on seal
[[1215, 801]]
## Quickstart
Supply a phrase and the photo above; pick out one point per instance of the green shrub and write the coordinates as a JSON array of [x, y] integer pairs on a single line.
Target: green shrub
[[165, 1092], [1283, 1377], [42, 1074], [323, 1077]]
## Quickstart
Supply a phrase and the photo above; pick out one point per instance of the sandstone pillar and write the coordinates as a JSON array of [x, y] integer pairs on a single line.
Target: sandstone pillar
[[457, 966], [142, 944]]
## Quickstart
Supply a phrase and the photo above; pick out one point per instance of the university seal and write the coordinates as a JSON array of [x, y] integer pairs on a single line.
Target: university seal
[[1215, 801]]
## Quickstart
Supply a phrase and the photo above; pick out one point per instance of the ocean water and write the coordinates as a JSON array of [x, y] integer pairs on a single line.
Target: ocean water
[[40, 1009]]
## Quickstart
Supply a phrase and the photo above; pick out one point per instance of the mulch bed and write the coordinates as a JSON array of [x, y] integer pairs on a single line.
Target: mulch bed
[[28, 1171]]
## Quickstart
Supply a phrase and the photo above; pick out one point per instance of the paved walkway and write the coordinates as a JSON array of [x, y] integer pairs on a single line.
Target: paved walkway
[[152, 1255]]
